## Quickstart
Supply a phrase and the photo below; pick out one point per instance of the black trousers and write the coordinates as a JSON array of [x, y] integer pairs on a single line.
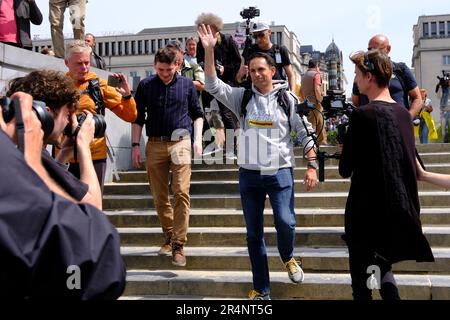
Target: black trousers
[[100, 169], [360, 258]]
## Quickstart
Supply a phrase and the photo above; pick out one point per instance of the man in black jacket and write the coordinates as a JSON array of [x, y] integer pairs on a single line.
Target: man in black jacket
[[15, 18], [96, 60]]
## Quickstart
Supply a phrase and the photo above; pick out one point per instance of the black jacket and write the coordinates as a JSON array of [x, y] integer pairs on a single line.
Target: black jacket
[[26, 12], [382, 211], [43, 236]]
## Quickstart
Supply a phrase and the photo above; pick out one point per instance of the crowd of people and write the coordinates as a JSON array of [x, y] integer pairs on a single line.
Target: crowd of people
[[251, 96]]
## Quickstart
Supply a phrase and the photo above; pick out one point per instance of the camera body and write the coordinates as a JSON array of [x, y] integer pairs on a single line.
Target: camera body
[[335, 104], [249, 13], [39, 108], [99, 121]]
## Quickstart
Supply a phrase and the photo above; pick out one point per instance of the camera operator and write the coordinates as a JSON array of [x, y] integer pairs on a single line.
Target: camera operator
[[444, 84], [382, 223], [43, 235], [265, 157], [279, 53], [61, 99], [228, 61]]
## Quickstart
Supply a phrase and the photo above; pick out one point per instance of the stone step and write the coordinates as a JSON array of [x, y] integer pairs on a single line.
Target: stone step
[[237, 284], [234, 236], [302, 200], [236, 258], [308, 217], [230, 187], [331, 172]]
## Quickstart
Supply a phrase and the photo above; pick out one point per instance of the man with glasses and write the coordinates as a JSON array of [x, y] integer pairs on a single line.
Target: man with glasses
[[402, 87], [261, 32]]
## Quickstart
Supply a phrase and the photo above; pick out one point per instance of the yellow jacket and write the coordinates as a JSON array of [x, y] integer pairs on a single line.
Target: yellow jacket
[[124, 109]]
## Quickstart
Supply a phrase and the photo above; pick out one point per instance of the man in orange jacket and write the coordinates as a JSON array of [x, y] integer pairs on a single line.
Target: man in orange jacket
[[119, 100]]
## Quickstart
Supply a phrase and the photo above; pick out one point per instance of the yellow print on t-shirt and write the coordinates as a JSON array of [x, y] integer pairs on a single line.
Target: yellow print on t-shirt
[[260, 119]]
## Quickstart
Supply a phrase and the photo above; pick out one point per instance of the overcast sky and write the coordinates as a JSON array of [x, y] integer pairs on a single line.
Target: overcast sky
[[350, 22]]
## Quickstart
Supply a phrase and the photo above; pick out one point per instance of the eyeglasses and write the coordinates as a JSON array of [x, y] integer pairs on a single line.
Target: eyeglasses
[[259, 35]]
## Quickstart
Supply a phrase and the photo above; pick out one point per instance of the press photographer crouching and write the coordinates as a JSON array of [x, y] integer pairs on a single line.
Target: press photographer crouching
[[50, 246], [61, 103]]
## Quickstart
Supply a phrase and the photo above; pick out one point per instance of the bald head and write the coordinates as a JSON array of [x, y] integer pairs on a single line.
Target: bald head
[[379, 41]]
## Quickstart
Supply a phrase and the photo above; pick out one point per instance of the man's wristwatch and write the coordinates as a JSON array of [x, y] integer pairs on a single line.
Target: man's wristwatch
[[313, 165], [128, 97], [135, 144]]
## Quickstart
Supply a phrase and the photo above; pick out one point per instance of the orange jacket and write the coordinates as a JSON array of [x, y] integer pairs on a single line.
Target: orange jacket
[[124, 109]]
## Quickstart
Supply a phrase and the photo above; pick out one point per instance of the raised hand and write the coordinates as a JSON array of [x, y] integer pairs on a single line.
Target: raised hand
[[206, 36]]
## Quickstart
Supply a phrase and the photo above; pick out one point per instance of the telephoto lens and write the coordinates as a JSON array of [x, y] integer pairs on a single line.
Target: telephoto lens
[[46, 119]]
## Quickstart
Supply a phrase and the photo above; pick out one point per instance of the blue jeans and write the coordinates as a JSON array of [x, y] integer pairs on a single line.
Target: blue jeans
[[444, 98], [423, 132], [445, 118], [253, 188]]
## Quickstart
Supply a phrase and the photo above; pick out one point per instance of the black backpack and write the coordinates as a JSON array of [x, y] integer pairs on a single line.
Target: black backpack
[[94, 91], [399, 71], [282, 99]]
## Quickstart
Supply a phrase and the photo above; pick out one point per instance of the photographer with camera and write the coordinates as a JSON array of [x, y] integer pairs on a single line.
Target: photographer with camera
[[51, 246], [444, 84], [265, 157], [96, 95], [382, 222], [279, 53], [61, 98], [228, 61]]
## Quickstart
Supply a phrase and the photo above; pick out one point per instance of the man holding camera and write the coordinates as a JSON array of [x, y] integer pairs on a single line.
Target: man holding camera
[[265, 157], [96, 96], [52, 246], [61, 98], [279, 53]]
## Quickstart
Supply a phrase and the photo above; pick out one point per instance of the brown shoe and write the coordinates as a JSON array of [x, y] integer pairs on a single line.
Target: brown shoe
[[166, 249], [178, 257]]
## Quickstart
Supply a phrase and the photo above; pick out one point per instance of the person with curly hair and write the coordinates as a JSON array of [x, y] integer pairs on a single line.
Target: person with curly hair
[[61, 99]]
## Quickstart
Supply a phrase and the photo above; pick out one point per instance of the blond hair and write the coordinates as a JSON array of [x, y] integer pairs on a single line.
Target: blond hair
[[77, 46], [210, 19]]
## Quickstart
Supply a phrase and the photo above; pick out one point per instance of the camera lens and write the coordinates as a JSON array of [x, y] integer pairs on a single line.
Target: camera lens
[[99, 123]]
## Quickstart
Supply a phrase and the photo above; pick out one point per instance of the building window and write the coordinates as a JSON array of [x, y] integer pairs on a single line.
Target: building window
[[133, 47], [119, 48], [148, 73], [426, 31], [159, 44], [107, 49], [133, 74], [448, 28], [153, 46], [446, 60], [36, 49], [113, 48], [279, 38], [441, 28], [146, 47], [100, 48], [166, 41], [127, 48], [433, 29], [139, 48]]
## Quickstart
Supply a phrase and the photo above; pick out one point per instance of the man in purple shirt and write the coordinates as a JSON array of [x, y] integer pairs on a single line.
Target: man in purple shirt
[[168, 104]]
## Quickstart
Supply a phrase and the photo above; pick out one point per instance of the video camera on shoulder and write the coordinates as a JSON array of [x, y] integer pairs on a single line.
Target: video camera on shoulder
[[9, 107], [335, 104], [99, 121], [443, 81]]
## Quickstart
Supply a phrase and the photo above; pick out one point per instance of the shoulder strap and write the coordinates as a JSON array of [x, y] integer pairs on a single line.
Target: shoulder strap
[[94, 90], [248, 94], [399, 71], [283, 101]]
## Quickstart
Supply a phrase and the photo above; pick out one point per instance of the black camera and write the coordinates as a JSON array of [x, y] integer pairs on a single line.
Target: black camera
[[335, 104], [99, 121], [39, 108], [305, 107], [249, 13]]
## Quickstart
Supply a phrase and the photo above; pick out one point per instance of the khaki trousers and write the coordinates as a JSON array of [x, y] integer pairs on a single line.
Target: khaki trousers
[[77, 10], [316, 120], [170, 162]]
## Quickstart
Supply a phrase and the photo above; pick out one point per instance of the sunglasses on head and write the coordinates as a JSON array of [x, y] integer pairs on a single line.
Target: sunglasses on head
[[367, 63], [259, 35]]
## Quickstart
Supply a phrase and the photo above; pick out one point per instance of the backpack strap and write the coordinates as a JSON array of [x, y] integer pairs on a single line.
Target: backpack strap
[[248, 94], [95, 92], [399, 71]]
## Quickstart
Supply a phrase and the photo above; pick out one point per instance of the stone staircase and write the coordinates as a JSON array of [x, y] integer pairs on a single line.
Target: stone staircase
[[218, 266]]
